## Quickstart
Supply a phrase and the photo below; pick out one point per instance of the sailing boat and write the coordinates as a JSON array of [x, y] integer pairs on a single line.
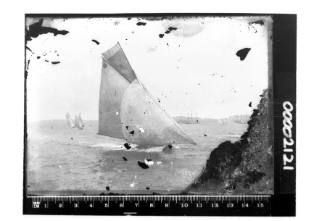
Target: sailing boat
[[77, 122], [128, 111], [69, 120]]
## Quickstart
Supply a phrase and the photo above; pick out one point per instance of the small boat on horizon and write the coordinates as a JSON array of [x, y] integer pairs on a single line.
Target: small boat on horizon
[[77, 122]]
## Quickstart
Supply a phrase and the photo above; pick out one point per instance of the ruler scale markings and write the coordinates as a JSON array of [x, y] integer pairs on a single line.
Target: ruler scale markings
[[260, 202]]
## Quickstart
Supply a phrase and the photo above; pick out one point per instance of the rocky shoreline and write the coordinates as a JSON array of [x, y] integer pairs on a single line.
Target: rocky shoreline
[[244, 166]]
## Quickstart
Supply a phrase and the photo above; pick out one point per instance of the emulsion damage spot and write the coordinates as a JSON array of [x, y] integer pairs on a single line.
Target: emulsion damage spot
[[258, 22], [141, 23], [95, 41], [170, 29], [127, 146], [29, 49], [142, 165], [243, 53], [36, 29]]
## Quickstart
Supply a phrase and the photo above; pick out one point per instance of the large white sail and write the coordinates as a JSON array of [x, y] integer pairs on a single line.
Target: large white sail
[[128, 111]]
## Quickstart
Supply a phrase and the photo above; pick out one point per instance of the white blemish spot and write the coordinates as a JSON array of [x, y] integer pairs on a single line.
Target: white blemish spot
[[141, 130], [148, 162], [117, 113]]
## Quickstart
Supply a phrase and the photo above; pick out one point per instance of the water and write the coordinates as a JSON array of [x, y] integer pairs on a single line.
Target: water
[[63, 160]]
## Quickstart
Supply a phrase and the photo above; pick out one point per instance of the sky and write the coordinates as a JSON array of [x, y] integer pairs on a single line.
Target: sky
[[193, 71]]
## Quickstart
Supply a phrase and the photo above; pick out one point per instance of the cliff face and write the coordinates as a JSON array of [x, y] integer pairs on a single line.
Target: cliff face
[[245, 166]]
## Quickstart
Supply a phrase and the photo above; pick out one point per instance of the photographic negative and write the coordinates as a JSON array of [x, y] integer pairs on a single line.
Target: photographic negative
[[145, 108]]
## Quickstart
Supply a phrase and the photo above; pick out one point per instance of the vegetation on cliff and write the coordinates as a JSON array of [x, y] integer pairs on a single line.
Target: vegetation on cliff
[[245, 166]]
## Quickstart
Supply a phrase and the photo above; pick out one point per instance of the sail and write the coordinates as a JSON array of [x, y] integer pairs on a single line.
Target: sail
[[80, 121], [69, 120], [128, 111]]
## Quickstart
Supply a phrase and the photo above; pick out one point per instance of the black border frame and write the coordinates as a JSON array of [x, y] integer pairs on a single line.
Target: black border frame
[[282, 202], [284, 89]]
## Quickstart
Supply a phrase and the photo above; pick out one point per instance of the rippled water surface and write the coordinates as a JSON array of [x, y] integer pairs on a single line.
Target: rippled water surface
[[65, 160]]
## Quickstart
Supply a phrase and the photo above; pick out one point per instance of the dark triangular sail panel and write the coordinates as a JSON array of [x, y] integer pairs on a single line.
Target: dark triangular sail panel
[[112, 88], [118, 60]]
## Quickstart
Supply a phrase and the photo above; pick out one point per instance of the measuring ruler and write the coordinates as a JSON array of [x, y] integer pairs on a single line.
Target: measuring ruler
[[150, 205]]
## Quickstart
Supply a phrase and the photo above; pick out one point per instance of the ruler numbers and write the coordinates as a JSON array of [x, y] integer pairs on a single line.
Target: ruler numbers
[[182, 203]]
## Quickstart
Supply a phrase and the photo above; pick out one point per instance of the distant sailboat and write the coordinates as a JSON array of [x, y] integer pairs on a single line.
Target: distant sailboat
[[128, 111], [69, 120], [77, 122], [80, 122]]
